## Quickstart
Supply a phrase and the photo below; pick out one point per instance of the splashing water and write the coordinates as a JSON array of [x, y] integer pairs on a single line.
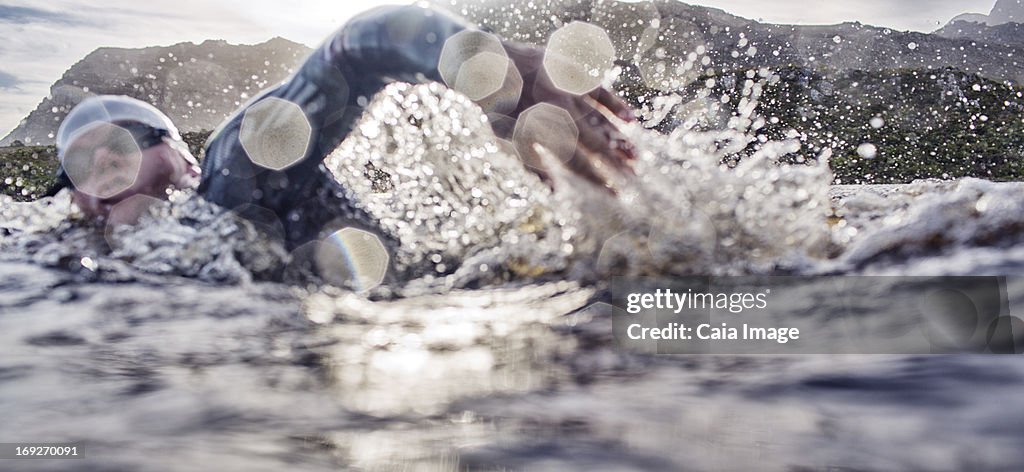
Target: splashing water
[[713, 196], [466, 211], [452, 191], [890, 224], [458, 195], [185, 236], [522, 373]]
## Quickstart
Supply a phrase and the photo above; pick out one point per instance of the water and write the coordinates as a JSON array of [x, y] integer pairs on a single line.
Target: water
[[182, 375], [175, 345]]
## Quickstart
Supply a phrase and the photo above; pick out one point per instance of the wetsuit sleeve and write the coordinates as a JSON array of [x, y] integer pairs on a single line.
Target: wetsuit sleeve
[[397, 43], [332, 87]]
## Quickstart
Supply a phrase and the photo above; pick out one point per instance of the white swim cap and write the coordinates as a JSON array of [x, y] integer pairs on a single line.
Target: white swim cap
[[113, 109], [120, 123]]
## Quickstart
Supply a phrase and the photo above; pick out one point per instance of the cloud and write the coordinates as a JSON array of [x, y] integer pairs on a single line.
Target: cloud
[[40, 44], [20, 14], [8, 81]]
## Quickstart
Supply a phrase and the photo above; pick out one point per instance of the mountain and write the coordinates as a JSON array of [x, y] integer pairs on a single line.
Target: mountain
[[970, 18], [197, 85], [945, 104], [1002, 26], [668, 30], [1008, 34], [1004, 11], [928, 105], [918, 124], [1007, 11]]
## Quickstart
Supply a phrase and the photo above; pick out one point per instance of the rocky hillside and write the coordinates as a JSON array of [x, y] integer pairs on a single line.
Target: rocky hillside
[[887, 106], [894, 126], [668, 31], [196, 85]]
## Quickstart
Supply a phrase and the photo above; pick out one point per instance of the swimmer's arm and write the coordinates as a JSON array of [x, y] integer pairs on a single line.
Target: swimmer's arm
[[376, 48], [602, 150], [405, 44]]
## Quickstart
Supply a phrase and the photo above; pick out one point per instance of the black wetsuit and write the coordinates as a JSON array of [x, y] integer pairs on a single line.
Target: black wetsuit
[[332, 87]]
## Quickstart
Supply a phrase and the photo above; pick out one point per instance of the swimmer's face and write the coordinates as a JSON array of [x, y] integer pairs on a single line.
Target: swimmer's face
[[106, 167]]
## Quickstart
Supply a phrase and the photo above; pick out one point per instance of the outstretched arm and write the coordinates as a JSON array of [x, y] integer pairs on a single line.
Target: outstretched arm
[[411, 44], [331, 88], [292, 127], [408, 44]]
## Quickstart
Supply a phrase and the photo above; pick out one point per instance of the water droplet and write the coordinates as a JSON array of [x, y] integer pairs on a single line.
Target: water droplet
[[88, 264], [867, 151]]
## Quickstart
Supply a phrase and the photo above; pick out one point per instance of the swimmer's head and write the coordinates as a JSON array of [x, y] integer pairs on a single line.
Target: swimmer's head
[[114, 147]]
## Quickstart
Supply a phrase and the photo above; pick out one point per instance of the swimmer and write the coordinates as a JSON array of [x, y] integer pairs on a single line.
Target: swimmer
[[114, 147]]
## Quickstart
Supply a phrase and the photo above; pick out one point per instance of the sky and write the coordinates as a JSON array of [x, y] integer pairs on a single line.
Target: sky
[[44, 39]]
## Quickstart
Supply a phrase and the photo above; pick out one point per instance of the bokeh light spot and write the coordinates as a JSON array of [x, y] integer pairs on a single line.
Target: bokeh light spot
[[102, 160], [577, 57], [546, 125], [354, 258], [475, 64], [263, 219], [275, 133], [1006, 335], [462, 47], [506, 98], [950, 318], [127, 212], [867, 151], [619, 253], [482, 75]]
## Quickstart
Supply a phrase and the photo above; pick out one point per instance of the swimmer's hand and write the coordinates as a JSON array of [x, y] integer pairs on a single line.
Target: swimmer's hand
[[602, 151]]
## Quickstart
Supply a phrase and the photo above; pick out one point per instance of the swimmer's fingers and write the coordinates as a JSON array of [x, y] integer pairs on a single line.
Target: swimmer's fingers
[[597, 157], [531, 159], [613, 103], [602, 154], [581, 163], [592, 167], [602, 137], [599, 161], [616, 142]]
